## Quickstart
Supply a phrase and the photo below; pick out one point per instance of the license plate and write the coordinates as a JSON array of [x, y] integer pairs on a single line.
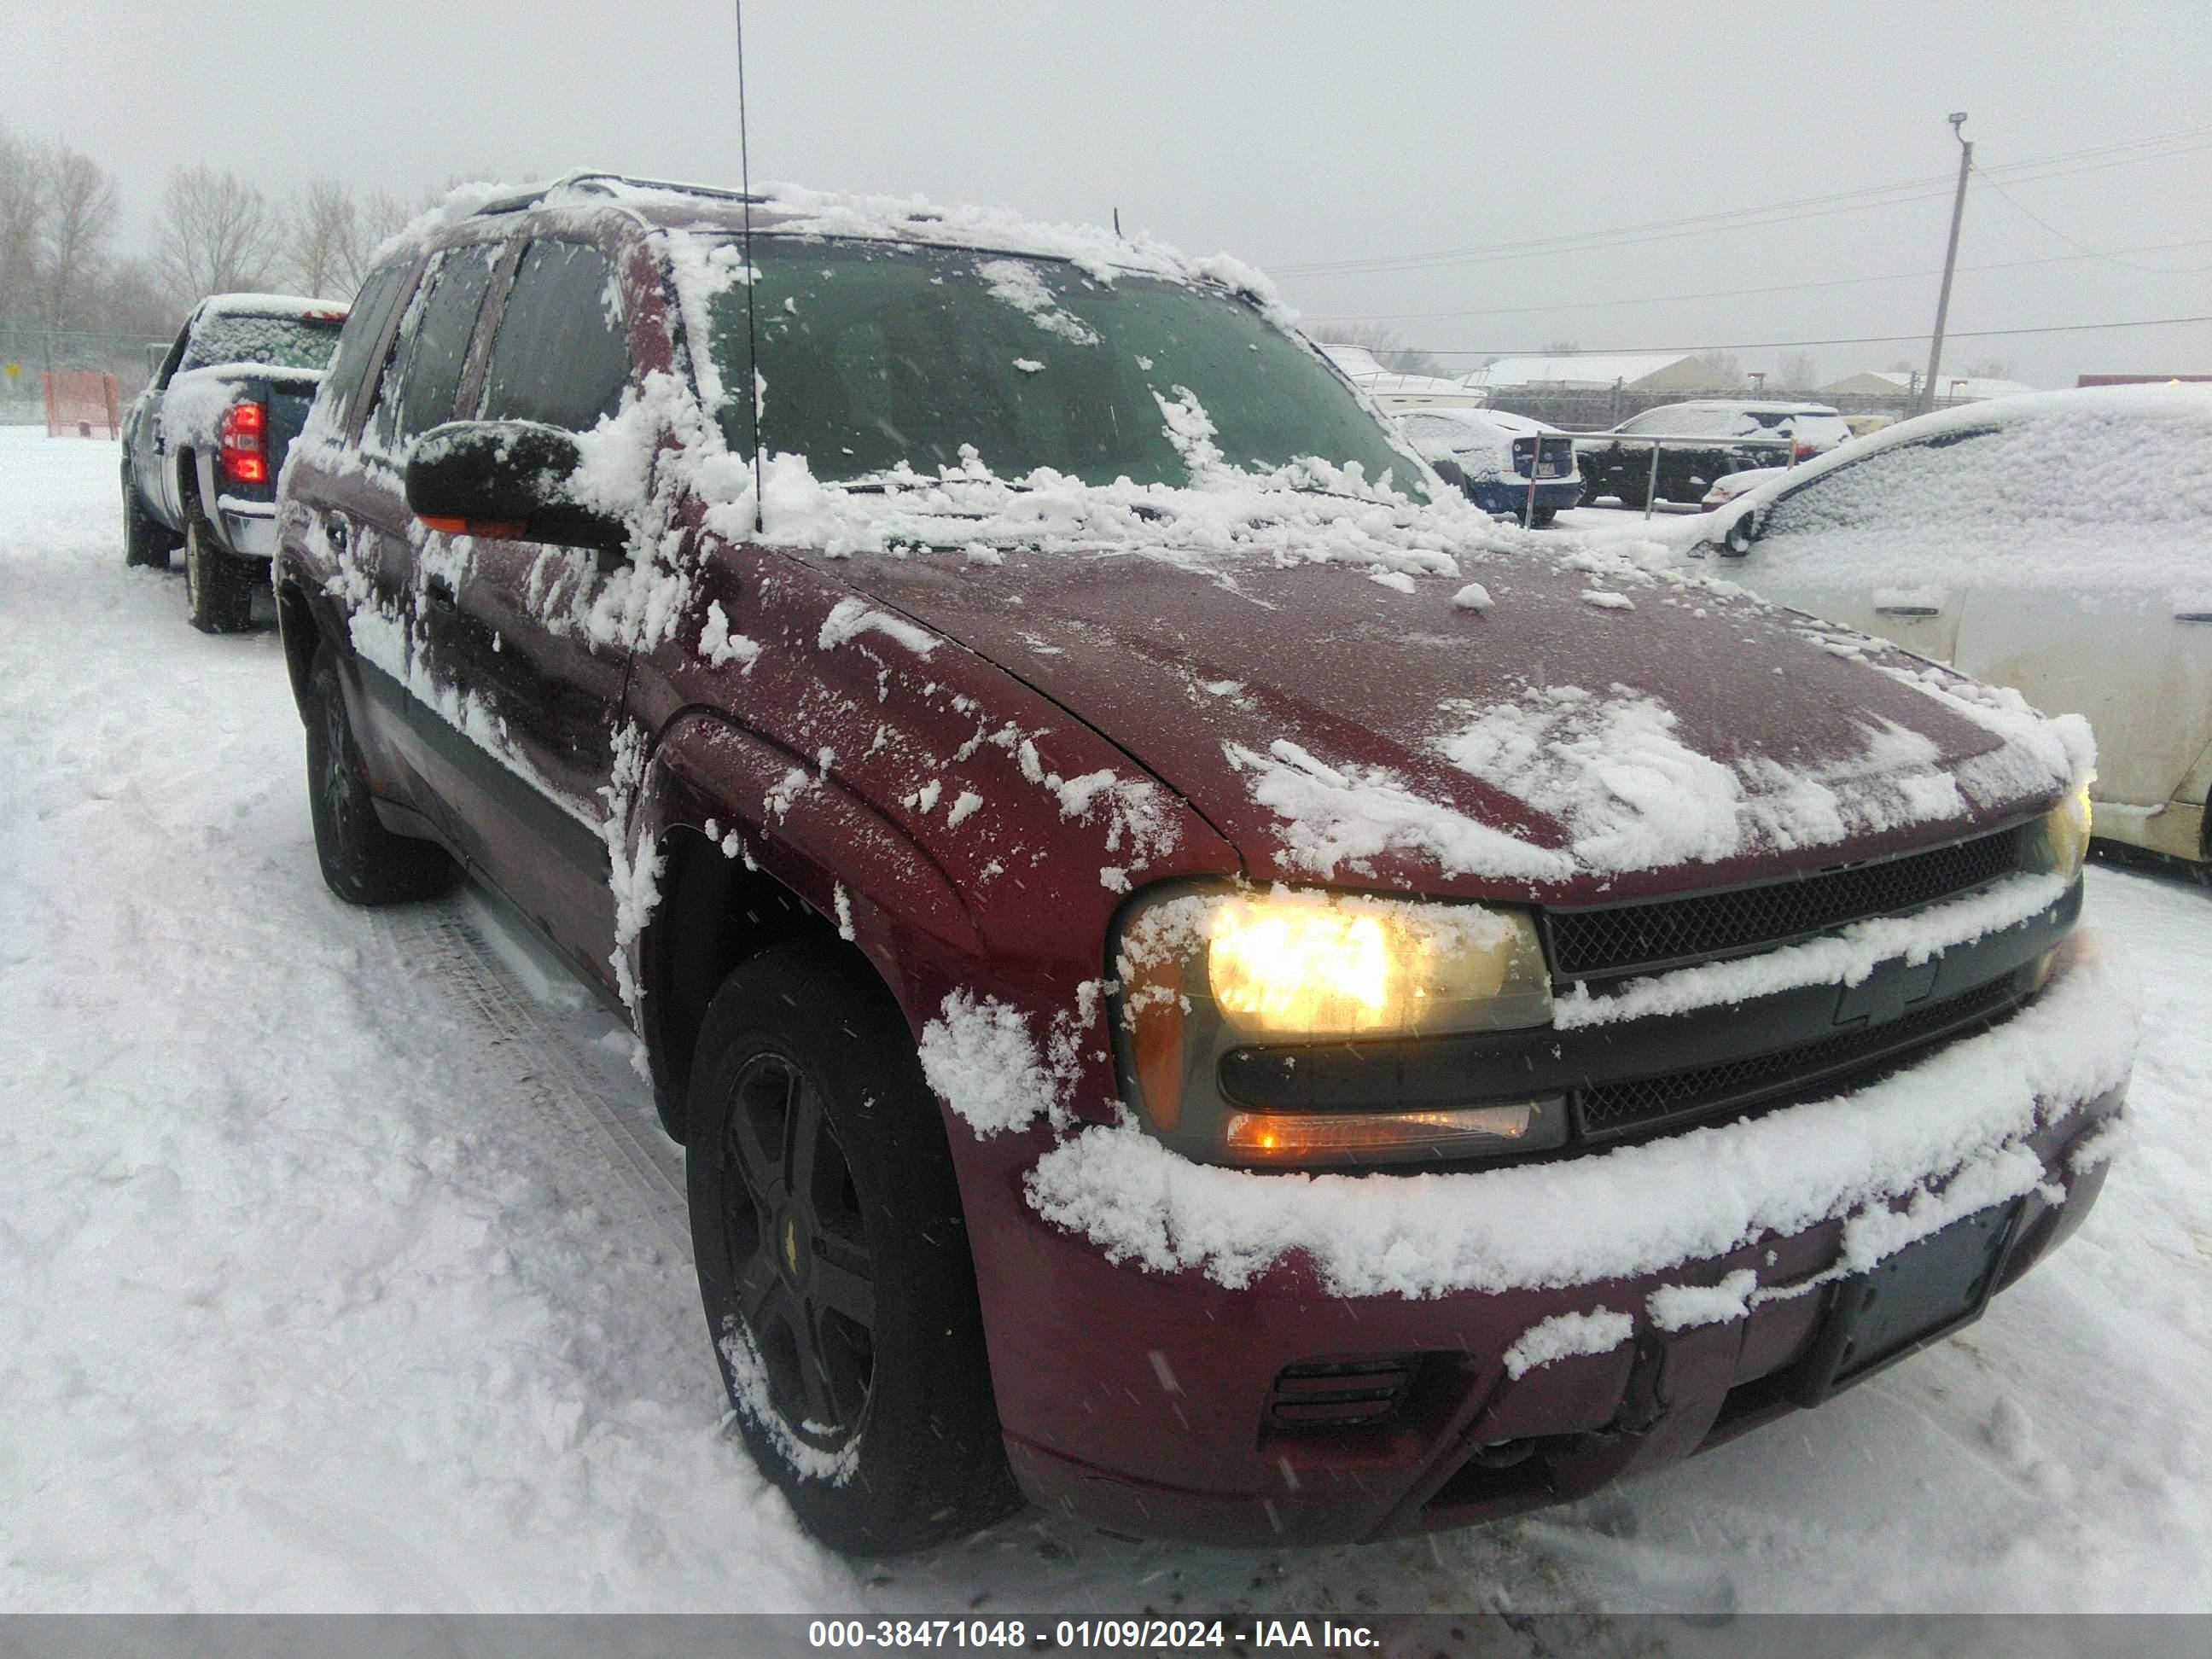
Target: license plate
[[1921, 1295]]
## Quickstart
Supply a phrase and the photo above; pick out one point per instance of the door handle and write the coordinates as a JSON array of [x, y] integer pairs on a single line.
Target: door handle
[[2192, 616], [1908, 610], [439, 594]]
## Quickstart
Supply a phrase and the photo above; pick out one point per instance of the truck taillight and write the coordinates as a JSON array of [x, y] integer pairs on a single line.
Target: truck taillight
[[1799, 451], [242, 443]]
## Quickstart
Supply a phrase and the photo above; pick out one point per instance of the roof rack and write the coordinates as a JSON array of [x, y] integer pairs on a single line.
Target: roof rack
[[598, 183]]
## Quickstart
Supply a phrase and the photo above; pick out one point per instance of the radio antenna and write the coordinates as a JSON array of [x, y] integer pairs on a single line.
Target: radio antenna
[[752, 340]]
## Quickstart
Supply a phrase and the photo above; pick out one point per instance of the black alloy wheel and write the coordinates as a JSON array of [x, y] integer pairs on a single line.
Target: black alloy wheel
[[833, 1256], [798, 1246], [363, 862]]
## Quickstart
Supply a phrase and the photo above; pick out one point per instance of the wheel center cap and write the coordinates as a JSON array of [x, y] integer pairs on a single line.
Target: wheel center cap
[[789, 1246]]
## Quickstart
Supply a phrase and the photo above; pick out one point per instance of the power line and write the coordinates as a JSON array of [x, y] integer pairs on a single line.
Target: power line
[[2087, 251], [2093, 159], [1767, 345], [1777, 287]]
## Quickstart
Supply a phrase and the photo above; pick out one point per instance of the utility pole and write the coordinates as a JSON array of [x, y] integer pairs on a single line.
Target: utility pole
[[1950, 262]]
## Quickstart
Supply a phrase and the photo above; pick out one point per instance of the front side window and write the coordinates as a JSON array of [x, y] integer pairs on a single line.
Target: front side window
[[879, 355], [561, 355], [358, 343], [425, 375]]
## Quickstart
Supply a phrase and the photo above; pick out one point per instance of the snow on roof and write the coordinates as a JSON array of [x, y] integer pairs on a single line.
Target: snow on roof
[[270, 305], [1597, 369], [788, 208]]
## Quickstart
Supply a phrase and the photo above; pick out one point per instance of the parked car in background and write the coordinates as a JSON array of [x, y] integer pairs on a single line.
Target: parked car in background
[[1743, 434], [203, 443], [1491, 455], [2057, 541], [1029, 784]]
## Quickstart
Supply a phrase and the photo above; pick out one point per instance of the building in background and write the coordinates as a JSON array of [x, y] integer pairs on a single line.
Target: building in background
[[1901, 383]]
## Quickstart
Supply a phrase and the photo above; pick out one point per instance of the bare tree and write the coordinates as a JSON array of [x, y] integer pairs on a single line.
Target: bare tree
[[1562, 347], [1989, 368], [1386, 343], [218, 234], [79, 221], [1795, 371], [1727, 368], [22, 218], [319, 234], [380, 215]]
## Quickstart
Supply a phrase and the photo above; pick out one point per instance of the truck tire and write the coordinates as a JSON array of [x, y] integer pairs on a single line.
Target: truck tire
[[833, 1258], [218, 588], [363, 862], [145, 542]]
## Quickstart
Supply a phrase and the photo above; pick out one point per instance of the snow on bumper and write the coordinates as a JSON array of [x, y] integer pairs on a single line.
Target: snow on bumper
[[1555, 1327], [1895, 1162]]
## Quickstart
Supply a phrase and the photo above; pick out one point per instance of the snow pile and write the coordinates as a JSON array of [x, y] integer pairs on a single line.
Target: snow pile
[[849, 618], [1943, 1139], [1681, 1307], [1633, 796], [750, 1380], [981, 1060], [1335, 816], [1021, 288], [2100, 487], [197, 399], [1563, 1336]]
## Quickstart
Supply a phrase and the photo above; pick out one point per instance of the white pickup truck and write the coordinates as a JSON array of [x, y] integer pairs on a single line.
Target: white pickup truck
[[203, 443]]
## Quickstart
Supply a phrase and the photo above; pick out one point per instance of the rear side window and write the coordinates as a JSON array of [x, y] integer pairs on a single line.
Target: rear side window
[[426, 370], [561, 355], [371, 311]]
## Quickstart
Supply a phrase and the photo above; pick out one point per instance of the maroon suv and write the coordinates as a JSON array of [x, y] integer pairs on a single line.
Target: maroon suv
[[1200, 983]]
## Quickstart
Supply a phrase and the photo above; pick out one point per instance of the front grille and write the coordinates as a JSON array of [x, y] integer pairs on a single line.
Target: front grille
[[1615, 1108], [1623, 938], [1339, 1394]]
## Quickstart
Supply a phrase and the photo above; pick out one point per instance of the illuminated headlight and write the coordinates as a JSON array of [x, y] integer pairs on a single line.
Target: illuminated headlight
[[1308, 965], [1204, 975], [2066, 835]]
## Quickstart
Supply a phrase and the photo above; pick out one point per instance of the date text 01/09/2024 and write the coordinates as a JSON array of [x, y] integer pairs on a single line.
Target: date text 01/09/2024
[[1084, 1635]]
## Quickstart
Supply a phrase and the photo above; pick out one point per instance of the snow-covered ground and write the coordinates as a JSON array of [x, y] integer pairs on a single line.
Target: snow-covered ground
[[342, 1266]]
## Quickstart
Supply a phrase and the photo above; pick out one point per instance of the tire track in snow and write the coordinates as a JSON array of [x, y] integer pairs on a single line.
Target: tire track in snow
[[605, 1128]]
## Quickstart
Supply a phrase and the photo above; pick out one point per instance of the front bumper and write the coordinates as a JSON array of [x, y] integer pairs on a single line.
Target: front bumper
[[1143, 1399]]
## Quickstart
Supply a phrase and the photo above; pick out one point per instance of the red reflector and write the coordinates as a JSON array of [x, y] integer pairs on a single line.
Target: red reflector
[[511, 529], [242, 468]]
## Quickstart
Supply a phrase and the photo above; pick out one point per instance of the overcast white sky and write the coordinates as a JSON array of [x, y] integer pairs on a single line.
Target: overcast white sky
[[1294, 135]]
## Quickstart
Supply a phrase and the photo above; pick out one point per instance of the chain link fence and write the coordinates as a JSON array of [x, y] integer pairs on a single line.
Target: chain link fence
[[29, 350]]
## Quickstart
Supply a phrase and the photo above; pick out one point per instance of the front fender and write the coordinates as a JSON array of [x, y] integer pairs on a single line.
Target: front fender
[[832, 849]]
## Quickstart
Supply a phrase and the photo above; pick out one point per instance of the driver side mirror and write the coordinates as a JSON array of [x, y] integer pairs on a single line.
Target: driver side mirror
[[1736, 540], [505, 478]]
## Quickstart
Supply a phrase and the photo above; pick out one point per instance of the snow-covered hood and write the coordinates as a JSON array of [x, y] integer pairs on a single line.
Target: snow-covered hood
[[1546, 727]]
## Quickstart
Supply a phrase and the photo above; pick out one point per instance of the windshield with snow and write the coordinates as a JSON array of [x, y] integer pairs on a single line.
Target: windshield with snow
[[281, 342], [875, 355]]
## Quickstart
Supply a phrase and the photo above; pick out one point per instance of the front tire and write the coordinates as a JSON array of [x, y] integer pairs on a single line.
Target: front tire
[[833, 1258], [218, 588], [363, 862]]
